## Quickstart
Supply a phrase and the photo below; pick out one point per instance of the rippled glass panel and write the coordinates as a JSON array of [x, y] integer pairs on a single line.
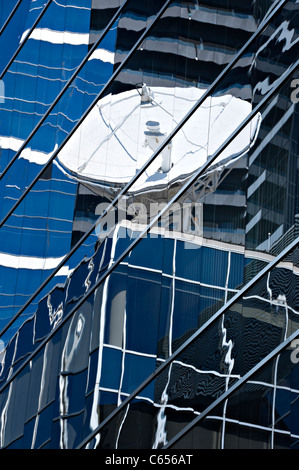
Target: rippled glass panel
[[110, 331], [23, 19], [259, 415], [41, 229], [212, 250], [50, 235], [217, 358], [220, 232]]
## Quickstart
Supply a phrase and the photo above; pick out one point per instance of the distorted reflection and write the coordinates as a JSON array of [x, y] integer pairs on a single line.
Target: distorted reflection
[[224, 228], [134, 129]]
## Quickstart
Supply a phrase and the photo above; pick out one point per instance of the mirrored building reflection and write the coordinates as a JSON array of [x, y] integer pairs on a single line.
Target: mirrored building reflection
[[149, 222]]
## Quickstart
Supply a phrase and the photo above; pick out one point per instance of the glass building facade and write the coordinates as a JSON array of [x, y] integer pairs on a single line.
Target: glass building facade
[[149, 260]]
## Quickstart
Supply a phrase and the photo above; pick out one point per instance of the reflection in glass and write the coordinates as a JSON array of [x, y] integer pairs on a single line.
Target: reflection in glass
[[230, 223], [259, 415], [223, 353]]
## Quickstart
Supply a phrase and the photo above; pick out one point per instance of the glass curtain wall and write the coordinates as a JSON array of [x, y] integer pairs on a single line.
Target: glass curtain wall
[[231, 220], [258, 415]]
